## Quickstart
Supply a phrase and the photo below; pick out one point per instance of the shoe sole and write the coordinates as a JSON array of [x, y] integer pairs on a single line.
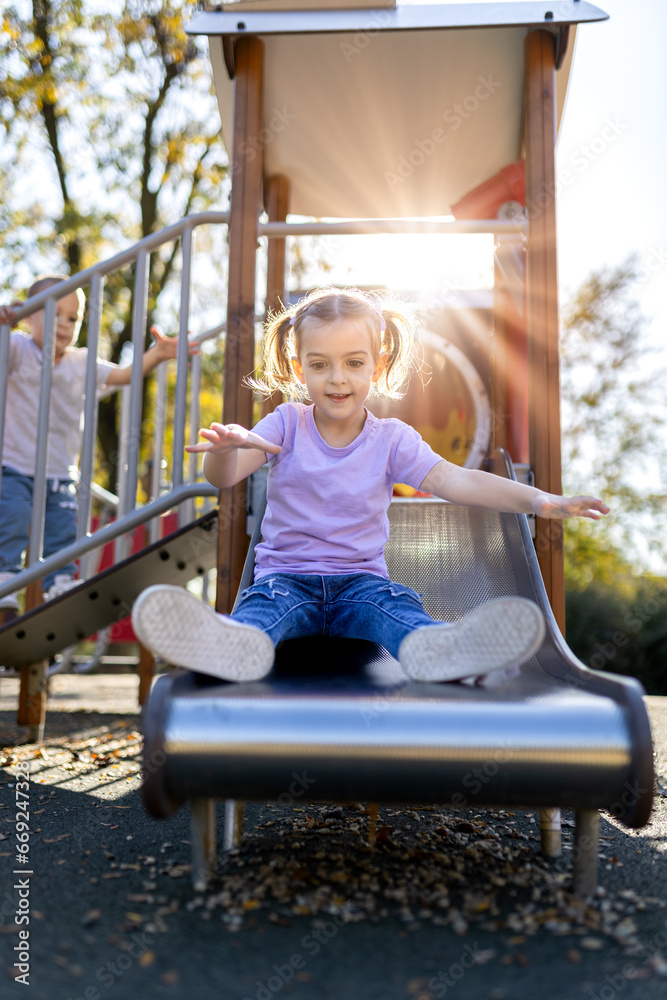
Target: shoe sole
[[495, 636], [182, 630], [9, 602]]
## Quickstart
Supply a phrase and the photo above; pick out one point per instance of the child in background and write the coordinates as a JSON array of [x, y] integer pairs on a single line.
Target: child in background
[[65, 431], [320, 568]]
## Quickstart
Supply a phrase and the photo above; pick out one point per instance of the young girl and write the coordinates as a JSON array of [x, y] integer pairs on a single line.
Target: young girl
[[320, 568]]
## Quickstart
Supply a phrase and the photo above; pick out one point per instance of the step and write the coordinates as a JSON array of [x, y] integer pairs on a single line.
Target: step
[[108, 597]]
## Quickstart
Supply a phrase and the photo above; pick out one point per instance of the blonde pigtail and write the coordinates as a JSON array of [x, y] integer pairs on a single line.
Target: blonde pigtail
[[277, 350], [398, 345]]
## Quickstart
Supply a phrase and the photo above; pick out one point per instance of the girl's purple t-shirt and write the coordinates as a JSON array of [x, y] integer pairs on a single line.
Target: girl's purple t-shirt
[[327, 507]]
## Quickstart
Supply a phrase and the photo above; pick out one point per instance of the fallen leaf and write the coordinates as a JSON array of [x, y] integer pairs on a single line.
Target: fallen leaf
[[415, 985], [91, 917], [591, 944]]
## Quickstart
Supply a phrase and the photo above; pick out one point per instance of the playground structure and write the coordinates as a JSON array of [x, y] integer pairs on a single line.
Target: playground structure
[[379, 156]]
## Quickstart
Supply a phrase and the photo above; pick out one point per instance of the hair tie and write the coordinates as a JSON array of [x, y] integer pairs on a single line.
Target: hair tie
[[383, 324], [292, 318]]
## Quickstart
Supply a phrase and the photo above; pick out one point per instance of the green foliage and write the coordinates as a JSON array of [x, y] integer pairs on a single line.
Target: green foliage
[[592, 558], [622, 629], [613, 412], [614, 444], [616, 617], [110, 132]]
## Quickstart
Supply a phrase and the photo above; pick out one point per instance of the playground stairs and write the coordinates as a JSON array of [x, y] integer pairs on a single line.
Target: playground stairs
[[30, 640]]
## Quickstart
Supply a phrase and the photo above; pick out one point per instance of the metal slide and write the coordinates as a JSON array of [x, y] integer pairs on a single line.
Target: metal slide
[[558, 735]]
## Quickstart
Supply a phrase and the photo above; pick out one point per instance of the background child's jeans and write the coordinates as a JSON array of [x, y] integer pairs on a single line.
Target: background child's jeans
[[15, 514], [354, 606]]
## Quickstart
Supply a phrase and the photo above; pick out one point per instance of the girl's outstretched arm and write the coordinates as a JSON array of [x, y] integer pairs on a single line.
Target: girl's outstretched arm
[[232, 453], [474, 488], [163, 349]]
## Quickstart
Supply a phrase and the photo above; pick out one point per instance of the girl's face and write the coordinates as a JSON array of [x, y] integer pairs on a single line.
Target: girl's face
[[69, 313], [337, 365]]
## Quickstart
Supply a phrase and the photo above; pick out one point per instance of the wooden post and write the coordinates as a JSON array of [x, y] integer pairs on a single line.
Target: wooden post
[[542, 302], [550, 832], [33, 687], [146, 670], [245, 206], [585, 852], [277, 207], [202, 836], [233, 824], [500, 358], [509, 372]]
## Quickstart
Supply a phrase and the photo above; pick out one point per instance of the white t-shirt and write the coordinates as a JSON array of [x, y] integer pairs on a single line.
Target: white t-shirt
[[67, 402]]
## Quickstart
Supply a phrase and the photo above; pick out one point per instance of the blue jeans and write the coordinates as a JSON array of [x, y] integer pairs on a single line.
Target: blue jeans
[[16, 512], [352, 606]]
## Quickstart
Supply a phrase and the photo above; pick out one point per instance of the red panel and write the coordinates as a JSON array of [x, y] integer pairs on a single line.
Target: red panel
[[122, 630], [483, 202]]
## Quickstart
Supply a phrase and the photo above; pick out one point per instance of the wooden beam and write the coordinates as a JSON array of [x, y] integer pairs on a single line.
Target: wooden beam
[[146, 671], [509, 375], [246, 198], [34, 680], [499, 363], [32, 699], [542, 301], [277, 207]]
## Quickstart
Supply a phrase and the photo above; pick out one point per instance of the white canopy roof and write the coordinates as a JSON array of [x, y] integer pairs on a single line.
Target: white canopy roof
[[390, 112]]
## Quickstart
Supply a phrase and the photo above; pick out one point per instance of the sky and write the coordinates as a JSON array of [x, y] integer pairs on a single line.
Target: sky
[[611, 157], [614, 141]]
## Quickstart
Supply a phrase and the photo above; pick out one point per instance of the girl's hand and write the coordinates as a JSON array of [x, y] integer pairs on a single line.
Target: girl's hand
[[550, 505], [168, 346], [226, 437], [7, 313]]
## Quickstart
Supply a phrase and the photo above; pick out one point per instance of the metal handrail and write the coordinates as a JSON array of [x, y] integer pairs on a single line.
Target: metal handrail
[[517, 227], [182, 491], [107, 534]]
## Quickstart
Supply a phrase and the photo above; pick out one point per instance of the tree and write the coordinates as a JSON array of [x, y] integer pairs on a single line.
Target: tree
[[614, 416], [110, 118], [614, 443]]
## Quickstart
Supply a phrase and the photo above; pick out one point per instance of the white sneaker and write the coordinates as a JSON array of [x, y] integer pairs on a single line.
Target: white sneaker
[[494, 637], [182, 630], [10, 601], [62, 582], [495, 678]]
